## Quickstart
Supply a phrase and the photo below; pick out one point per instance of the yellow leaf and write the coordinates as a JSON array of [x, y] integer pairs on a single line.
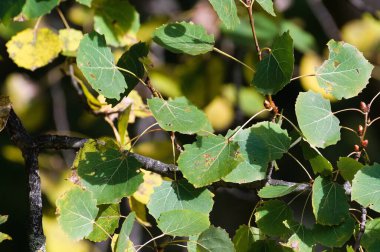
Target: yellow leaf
[[140, 211], [31, 50], [220, 113], [146, 189], [5, 108], [70, 39]]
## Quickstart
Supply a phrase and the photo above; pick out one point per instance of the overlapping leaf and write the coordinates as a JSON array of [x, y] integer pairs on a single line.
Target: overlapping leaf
[[96, 62], [214, 239], [334, 236], [346, 73], [109, 175], [348, 167], [37, 8], [318, 124], [106, 222], [77, 209], [123, 242], [227, 12], [245, 237], [276, 68], [274, 191], [184, 37], [318, 162], [70, 39], [371, 238], [302, 239], [366, 187], [208, 159], [85, 2]]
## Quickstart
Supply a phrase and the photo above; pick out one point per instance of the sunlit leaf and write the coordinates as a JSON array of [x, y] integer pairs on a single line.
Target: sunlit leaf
[[267, 5], [275, 191], [334, 236], [276, 68], [318, 124], [214, 239], [106, 222], [70, 39], [245, 237], [183, 222], [5, 108], [123, 243], [208, 159], [37, 8], [178, 115], [184, 37], [366, 187], [33, 49], [227, 12], [178, 195], [77, 209], [109, 175], [346, 73], [96, 62], [348, 167], [330, 206], [371, 238]]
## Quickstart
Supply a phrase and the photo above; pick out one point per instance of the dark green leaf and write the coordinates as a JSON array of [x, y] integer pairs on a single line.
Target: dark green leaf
[[123, 243], [302, 239], [318, 162], [268, 246], [184, 38], [276, 191], [227, 12], [214, 239], [334, 236], [371, 238], [276, 69], [348, 167], [9, 9], [37, 8], [106, 223], [245, 237]]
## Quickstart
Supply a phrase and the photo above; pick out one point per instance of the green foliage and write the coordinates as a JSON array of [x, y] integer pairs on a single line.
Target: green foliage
[[106, 222], [267, 5], [123, 242], [245, 238], [348, 167], [3, 219], [9, 9], [370, 240], [334, 236], [268, 192], [214, 239], [227, 12], [36, 8], [318, 162]]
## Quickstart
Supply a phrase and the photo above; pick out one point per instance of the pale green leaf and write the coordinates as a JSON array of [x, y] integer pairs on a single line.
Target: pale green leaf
[[77, 209], [330, 206], [274, 191], [366, 187], [37, 8], [85, 2], [184, 37], [317, 123], [371, 238], [247, 172], [208, 160], [267, 5], [97, 64], [183, 222], [123, 243], [105, 223], [227, 12], [109, 175], [301, 240], [334, 236], [179, 115], [245, 237], [318, 162], [214, 239], [348, 167], [274, 71], [346, 73], [179, 195]]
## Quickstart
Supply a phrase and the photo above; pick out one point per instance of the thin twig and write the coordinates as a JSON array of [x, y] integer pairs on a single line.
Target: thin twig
[[348, 109], [302, 76], [233, 58]]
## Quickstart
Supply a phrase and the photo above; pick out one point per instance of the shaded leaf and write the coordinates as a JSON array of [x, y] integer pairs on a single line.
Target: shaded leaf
[[70, 39], [123, 243], [334, 236], [268, 246], [214, 239], [245, 237], [96, 62], [274, 191], [183, 222], [366, 187], [317, 123], [184, 37], [106, 221], [318, 162], [37, 8], [9, 9], [346, 73], [371, 238], [227, 12], [267, 5], [31, 50], [109, 175], [274, 71], [301, 240], [208, 160], [348, 167], [77, 209], [5, 108]]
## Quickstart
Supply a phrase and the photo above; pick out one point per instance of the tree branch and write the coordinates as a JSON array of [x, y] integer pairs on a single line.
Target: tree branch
[[361, 229]]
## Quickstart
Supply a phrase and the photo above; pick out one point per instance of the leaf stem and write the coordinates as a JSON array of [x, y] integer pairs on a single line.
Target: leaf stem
[[131, 73], [349, 129], [233, 58], [64, 21], [303, 167], [142, 133], [348, 109], [373, 99], [153, 239], [292, 124], [302, 76]]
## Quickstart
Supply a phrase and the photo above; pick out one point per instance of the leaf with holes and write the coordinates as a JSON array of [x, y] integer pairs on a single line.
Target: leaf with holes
[[276, 68], [208, 160], [348, 167], [184, 37], [178, 195], [317, 123], [77, 209], [267, 5], [105, 223], [123, 243], [227, 12], [96, 62], [346, 73], [179, 115], [214, 239], [275, 191], [183, 222], [109, 175], [334, 236], [366, 187]]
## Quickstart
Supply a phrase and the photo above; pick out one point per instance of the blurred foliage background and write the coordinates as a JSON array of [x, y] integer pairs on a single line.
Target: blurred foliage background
[[47, 102]]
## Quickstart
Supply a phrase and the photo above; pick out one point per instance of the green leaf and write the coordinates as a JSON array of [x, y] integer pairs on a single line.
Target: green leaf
[[96, 62], [183, 222], [106, 222], [330, 206], [371, 238], [123, 243], [276, 191], [184, 37], [214, 239], [317, 123], [207, 160], [78, 211], [267, 5], [334, 236], [302, 239], [3, 219], [131, 61], [179, 115], [247, 172], [318, 162], [109, 175], [276, 68], [9, 9], [366, 187], [346, 73], [37, 8], [227, 12], [117, 20], [179, 195], [270, 217], [245, 237], [268, 246], [85, 2], [348, 167]]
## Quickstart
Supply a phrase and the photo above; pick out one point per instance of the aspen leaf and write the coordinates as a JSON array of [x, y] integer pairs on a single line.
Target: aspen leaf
[[31, 50], [227, 12], [37, 8], [334, 236], [106, 222], [214, 239]]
